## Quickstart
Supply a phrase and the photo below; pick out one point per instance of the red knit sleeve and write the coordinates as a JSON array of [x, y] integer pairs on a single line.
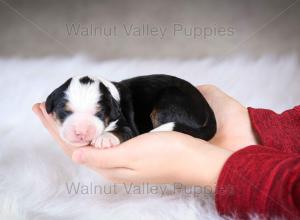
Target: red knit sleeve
[[264, 180], [260, 180], [281, 131]]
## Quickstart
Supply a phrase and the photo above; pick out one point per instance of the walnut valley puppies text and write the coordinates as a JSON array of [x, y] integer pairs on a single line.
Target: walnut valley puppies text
[[113, 189], [161, 32]]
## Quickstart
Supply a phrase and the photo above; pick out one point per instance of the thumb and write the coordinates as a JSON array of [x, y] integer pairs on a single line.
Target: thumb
[[115, 157]]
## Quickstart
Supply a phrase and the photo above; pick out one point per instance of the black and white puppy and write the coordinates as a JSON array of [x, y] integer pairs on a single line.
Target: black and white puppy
[[92, 110]]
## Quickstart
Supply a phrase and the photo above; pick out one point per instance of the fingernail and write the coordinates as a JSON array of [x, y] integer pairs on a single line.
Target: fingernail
[[78, 156], [33, 108]]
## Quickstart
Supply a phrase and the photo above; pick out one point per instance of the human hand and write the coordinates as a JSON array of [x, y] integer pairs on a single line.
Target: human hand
[[168, 156], [157, 157], [234, 130]]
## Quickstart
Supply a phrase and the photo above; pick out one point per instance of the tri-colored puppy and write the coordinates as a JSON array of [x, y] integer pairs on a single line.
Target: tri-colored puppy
[[94, 111]]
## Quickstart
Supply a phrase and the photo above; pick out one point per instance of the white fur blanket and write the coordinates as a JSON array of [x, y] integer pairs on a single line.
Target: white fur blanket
[[35, 174]]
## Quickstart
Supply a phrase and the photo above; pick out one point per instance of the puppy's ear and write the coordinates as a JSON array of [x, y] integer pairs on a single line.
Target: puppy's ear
[[115, 111], [112, 106], [50, 102], [56, 95]]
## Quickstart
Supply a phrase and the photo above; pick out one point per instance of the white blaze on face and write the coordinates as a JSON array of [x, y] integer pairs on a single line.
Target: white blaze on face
[[82, 125], [83, 97]]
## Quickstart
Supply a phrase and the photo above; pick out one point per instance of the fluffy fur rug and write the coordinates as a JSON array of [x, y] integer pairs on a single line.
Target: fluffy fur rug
[[35, 176]]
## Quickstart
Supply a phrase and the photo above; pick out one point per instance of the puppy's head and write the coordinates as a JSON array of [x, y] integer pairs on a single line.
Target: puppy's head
[[84, 107]]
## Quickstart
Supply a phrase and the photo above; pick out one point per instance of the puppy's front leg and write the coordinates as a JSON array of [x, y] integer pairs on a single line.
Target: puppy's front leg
[[106, 140], [112, 138]]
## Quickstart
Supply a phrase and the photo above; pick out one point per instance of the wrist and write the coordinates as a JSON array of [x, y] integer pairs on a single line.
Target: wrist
[[211, 162], [251, 138], [202, 164]]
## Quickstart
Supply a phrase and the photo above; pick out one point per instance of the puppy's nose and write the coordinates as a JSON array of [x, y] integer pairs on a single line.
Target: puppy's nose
[[84, 134], [80, 136]]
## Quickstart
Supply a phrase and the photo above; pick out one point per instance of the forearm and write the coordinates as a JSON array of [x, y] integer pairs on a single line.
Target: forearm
[[264, 180], [259, 180]]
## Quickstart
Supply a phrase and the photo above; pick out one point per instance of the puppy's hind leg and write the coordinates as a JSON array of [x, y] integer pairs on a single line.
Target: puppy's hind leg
[[186, 129], [175, 110]]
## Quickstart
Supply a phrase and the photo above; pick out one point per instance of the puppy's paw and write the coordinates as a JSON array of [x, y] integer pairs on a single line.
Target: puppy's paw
[[106, 140]]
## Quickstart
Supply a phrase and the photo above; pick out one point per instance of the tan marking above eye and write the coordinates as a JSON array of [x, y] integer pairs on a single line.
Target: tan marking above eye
[[98, 108], [68, 107]]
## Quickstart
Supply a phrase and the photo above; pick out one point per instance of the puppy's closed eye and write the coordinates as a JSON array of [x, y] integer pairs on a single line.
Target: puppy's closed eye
[[62, 114], [100, 114]]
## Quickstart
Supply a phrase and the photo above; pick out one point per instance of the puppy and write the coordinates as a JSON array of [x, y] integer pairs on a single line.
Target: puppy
[[94, 111]]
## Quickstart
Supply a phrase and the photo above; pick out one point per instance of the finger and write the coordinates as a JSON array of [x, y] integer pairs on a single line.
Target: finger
[[68, 148], [119, 175], [213, 94], [50, 124], [35, 107], [48, 117], [53, 131], [37, 110], [115, 157]]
